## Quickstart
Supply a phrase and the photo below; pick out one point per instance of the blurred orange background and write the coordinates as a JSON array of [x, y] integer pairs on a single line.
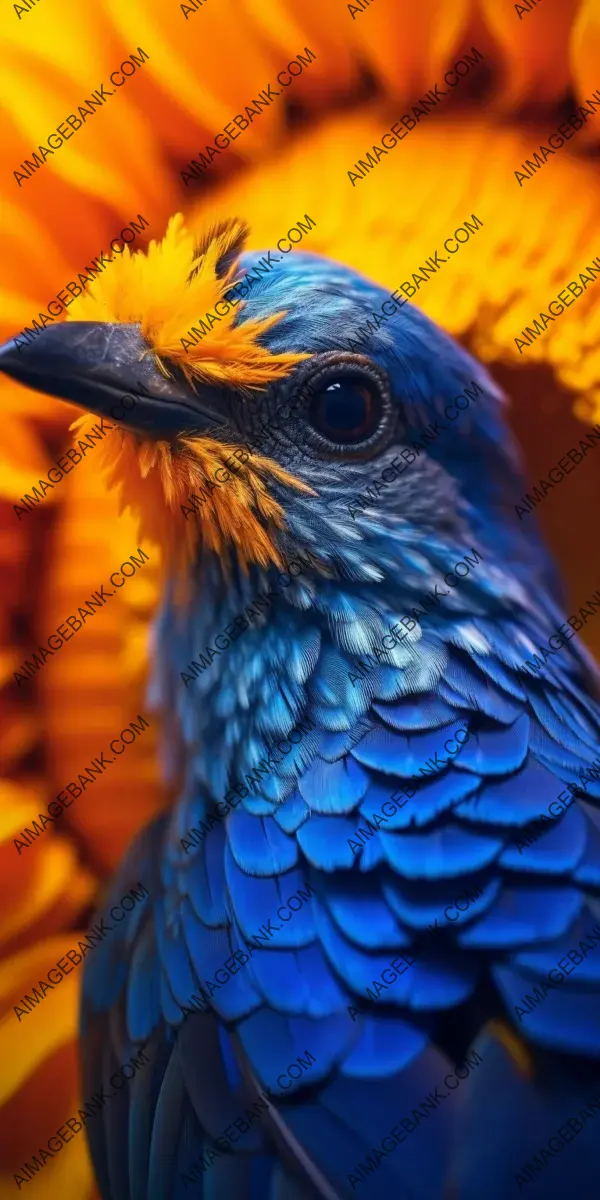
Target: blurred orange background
[[126, 160]]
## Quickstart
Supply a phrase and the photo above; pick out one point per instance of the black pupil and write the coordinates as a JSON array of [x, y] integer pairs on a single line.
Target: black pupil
[[343, 411]]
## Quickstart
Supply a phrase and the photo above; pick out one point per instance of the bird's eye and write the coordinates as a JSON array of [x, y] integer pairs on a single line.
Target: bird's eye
[[346, 405], [346, 411]]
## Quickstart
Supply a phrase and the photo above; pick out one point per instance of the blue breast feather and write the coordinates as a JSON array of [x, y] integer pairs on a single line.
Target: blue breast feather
[[459, 876]]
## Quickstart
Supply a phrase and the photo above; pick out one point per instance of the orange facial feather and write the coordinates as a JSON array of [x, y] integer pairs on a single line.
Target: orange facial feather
[[157, 480], [166, 291]]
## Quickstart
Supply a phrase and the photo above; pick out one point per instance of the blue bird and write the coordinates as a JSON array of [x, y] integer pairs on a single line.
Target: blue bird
[[367, 965]]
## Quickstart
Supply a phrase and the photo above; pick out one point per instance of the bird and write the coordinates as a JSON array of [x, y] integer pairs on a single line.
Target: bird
[[223, 992]]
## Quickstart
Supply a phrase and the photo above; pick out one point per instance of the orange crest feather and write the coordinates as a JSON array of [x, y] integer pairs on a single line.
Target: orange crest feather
[[157, 292]]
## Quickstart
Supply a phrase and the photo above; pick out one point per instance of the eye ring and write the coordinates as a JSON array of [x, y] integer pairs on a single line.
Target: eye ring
[[346, 405]]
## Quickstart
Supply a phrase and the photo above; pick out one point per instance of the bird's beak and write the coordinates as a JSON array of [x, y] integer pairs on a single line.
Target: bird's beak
[[103, 367]]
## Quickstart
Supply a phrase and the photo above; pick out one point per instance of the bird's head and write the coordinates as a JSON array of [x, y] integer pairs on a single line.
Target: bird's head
[[281, 371]]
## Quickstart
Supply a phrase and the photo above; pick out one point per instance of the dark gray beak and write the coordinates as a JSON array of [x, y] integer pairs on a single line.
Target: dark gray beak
[[103, 368]]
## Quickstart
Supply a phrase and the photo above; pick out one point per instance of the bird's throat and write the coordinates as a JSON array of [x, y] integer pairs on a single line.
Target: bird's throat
[[197, 492]]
